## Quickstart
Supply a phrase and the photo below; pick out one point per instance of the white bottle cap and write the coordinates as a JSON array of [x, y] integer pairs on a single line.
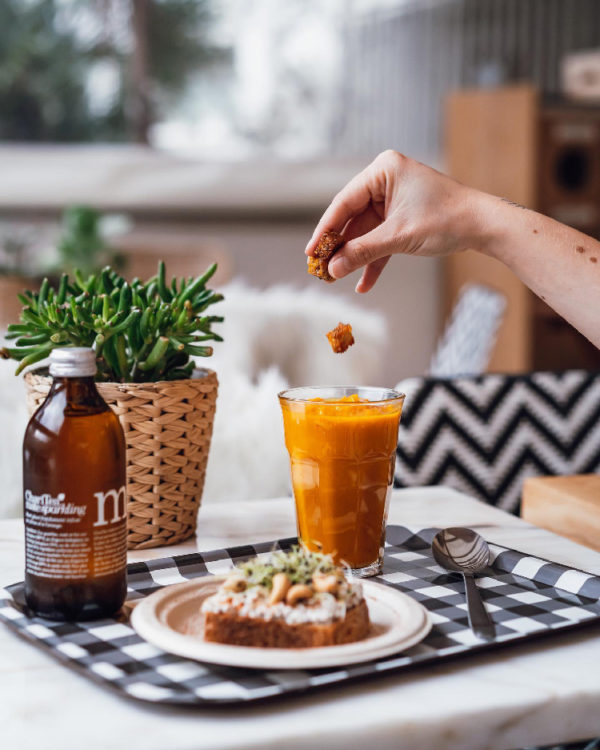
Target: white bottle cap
[[72, 362]]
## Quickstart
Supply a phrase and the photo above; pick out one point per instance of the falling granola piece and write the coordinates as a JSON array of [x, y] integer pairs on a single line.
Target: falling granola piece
[[329, 244], [341, 337]]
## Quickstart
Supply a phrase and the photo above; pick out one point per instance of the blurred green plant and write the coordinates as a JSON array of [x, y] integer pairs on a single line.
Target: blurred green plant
[[82, 244], [14, 263], [141, 332], [85, 241], [48, 49]]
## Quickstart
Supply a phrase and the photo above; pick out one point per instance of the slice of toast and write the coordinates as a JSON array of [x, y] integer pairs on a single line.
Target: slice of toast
[[226, 627]]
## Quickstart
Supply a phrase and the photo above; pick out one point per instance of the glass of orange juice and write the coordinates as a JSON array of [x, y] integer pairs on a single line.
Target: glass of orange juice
[[342, 446]]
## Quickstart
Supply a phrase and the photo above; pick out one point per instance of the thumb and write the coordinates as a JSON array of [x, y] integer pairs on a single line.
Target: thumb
[[361, 251]]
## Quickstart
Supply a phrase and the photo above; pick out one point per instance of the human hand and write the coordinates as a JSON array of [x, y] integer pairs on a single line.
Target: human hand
[[396, 205]]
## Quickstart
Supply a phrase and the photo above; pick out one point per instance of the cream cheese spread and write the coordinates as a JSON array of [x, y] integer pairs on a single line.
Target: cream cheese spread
[[253, 602]]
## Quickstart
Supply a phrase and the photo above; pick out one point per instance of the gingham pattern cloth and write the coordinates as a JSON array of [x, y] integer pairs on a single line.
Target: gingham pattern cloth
[[526, 597]]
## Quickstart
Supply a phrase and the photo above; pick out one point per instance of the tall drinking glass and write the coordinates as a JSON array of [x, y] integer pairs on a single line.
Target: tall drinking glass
[[342, 446]]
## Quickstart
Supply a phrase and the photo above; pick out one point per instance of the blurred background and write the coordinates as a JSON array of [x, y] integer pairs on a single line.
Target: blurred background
[[201, 130]]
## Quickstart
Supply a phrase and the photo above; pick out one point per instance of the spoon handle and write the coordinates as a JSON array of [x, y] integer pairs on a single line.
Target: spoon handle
[[479, 619]]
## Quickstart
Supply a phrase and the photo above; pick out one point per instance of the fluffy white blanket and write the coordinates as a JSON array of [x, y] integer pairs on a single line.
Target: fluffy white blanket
[[275, 338]]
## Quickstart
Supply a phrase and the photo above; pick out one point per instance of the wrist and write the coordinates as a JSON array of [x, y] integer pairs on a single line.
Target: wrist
[[487, 224]]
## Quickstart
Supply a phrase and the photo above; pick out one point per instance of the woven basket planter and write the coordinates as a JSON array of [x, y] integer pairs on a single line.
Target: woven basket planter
[[168, 427]]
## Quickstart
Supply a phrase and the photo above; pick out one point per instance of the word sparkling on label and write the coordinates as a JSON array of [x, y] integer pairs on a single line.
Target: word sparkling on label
[[46, 504]]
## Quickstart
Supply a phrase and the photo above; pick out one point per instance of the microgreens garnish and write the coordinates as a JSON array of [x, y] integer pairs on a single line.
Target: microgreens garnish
[[298, 563]]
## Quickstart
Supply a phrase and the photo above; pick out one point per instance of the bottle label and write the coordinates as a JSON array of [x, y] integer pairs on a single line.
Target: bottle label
[[55, 507], [66, 539]]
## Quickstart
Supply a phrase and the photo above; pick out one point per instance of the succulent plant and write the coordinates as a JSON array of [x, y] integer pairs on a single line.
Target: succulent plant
[[141, 332]]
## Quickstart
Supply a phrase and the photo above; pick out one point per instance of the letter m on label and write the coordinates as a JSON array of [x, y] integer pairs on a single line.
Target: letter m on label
[[117, 497]]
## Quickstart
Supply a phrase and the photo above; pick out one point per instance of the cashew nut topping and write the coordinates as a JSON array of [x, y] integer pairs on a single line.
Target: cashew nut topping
[[281, 585], [323, 583], [297, 593], [235, 583]]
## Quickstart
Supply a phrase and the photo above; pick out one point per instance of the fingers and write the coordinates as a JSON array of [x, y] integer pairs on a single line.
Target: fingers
[[362, 223], [362, 251], [350, 202], [370, 274]]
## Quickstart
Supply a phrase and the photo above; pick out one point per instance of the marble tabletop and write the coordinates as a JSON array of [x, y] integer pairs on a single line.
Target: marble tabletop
[[539, 693]]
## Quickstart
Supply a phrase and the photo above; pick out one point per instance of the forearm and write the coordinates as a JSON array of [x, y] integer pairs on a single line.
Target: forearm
[[560, 264], [399, 206]]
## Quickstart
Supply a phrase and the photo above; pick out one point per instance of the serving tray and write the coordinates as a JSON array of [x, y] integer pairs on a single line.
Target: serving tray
[[527, 597]]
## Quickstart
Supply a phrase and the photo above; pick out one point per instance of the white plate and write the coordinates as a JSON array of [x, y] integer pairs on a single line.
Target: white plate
[[170, 619]]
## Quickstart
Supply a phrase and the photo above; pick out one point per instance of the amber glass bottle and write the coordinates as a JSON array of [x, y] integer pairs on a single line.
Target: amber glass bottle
[[74, 497]]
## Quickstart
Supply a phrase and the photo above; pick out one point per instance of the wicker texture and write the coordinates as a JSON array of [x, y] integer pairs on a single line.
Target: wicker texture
[[168, 427]]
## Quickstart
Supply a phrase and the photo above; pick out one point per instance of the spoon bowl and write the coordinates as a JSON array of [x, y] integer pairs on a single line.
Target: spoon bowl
[[460, 549]]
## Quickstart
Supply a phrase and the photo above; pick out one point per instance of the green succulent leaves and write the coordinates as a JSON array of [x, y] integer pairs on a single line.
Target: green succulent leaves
[[141, 332]]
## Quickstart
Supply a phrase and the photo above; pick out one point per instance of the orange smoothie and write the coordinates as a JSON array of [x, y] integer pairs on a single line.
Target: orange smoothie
[[342, 455]]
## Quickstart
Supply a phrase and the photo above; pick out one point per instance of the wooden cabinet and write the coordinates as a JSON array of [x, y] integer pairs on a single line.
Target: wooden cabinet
[[547, 157]]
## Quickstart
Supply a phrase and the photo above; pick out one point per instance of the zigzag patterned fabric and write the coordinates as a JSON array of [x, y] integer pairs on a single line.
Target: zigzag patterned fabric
[[484, 435]]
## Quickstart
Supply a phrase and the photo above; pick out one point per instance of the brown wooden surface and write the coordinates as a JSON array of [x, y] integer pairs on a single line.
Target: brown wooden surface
[[569, 506], [490, 141]]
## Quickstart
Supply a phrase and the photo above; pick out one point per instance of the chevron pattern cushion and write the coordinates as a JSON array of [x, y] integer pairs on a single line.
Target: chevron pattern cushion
[[484, 435]]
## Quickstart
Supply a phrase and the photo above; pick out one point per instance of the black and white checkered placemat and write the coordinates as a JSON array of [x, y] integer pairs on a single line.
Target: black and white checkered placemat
[[526, 597]]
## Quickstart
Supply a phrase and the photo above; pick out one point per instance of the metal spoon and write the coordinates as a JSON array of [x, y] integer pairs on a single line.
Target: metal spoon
[[465, 551]]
